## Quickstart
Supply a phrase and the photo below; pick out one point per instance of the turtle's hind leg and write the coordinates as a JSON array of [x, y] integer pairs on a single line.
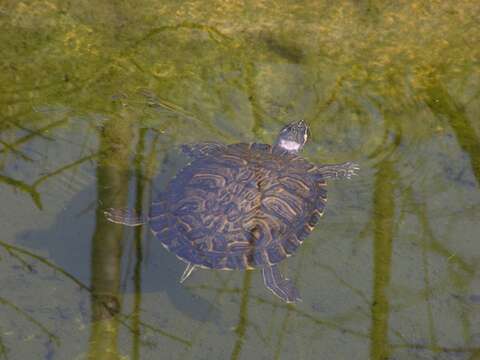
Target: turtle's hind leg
[[127, 217], [279, 285]]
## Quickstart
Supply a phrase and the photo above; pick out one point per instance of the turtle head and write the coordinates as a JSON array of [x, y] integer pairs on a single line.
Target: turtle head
[[293, 137]]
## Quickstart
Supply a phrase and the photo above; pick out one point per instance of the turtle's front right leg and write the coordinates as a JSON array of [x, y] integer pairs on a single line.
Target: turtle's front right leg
[[127, 217], [338, 171]]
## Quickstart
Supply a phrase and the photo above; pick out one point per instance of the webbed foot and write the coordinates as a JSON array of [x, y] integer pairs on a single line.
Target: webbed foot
[[345, 170], [279, 285]]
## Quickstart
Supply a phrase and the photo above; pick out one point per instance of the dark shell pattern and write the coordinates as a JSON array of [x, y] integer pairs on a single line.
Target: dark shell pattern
[[239, 207]]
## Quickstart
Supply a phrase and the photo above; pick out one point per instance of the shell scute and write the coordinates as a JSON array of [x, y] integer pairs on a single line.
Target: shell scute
[[215, 261], [236, 261], [260, 147], [160, 223], [291, 244], [219, 244]]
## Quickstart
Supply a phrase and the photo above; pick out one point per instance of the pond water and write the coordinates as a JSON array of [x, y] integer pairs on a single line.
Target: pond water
[[96, 99]]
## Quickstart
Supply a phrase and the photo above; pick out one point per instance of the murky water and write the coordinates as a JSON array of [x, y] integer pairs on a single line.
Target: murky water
[[95, 99]]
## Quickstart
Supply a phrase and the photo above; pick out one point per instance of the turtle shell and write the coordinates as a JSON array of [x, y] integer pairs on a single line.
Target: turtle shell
[[239, 207]]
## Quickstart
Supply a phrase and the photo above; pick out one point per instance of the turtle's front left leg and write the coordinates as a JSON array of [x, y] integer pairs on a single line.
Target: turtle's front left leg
[[338, 171], [127, 217]]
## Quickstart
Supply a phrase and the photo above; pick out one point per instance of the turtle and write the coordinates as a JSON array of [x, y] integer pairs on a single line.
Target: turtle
[[241, 206]]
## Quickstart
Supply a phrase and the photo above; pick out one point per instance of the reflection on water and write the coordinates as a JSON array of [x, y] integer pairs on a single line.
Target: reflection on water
[[94, 106]]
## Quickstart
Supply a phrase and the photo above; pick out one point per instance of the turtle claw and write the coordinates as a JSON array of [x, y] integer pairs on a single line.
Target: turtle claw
[[290, 294], [351, 169]]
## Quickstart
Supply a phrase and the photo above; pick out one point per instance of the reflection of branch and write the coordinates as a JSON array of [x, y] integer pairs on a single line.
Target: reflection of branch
[[383, 214], [241, 327], [50, 335], [343, 282], [391, 140], [211, 31], [12, 248], [15, 151], [20, 185], [44, 261], [475, 354], [326, 323], [443, 104], [281, 336], [137, 274], [332, 325], [24, 263], [258, 114], [34, 133], [3, 349], [62, 169], [426, 280], [155, 330], [473, 350], [31, 189], [433, 244], [430, 243]]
